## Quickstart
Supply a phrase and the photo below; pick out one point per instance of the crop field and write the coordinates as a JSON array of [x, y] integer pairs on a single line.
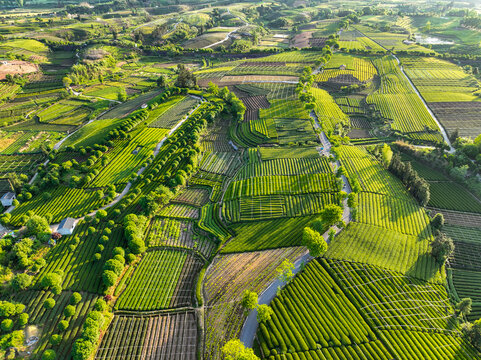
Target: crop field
[[312, 313], [177, 233], [397, 102], [48, 319], [401, 215], [76, 259], [207, 152], [464, 264], [370, 173], [69, 112], [62, 203], [355, 40], [195, 196], [174, 114], [169, 336], [226, 280], [285, 167], [327, 111], [180, 211], [385, 248], [267, 234], [371, 305], [391, 40], [129, 159], [461, 116], [440, 80], [124, 109], [30, 141], [453, 196], [20, 164], [222, 163], [163, 279], [390, 303], [272, 153], [356, 68]]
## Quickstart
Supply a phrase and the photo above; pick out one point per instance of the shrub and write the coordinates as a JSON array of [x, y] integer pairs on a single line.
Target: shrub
[[75, 298], [62, 325], [119, 251], [109, 278], [114, 265], [100, 305], [6, 325], [69, 311], [51, 280], [49, 303], [21, 282], [131, 258], [55, 339], [49, 355], [314, 242], [22, 320]]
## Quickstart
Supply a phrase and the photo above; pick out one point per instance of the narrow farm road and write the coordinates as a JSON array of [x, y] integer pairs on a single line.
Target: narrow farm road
[[228, 34], [249, 329]]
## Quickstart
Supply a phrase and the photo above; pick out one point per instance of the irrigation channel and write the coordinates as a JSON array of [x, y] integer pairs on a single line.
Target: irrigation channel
[[249, 329]]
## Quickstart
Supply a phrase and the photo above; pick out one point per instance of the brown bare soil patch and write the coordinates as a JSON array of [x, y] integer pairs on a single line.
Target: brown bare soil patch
[[16, 67], [463, 116], [301, 40], [256, 102]]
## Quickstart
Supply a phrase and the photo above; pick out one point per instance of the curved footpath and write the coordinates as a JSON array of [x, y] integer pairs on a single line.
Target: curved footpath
[[249, 329]]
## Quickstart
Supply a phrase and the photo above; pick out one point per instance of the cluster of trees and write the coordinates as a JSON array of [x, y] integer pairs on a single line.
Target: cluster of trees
[[134, 231], [156, 199], [235, 105], [236, 350], [53, 281], [442, 247], [13, 320], [457, 165], [114, 267], [312, 236], [185, 77], [250, 302], [86, 344], [83, 73], [15, 253], [416, 185]]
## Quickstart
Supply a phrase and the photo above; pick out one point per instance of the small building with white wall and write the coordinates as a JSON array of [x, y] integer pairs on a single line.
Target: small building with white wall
[[66, 226], [7, 199]]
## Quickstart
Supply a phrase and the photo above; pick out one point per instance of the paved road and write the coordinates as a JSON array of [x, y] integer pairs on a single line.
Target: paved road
[[249, 329]]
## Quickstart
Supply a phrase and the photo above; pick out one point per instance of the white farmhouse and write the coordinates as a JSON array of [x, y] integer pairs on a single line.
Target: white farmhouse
[[66, 226], [7, 199]]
